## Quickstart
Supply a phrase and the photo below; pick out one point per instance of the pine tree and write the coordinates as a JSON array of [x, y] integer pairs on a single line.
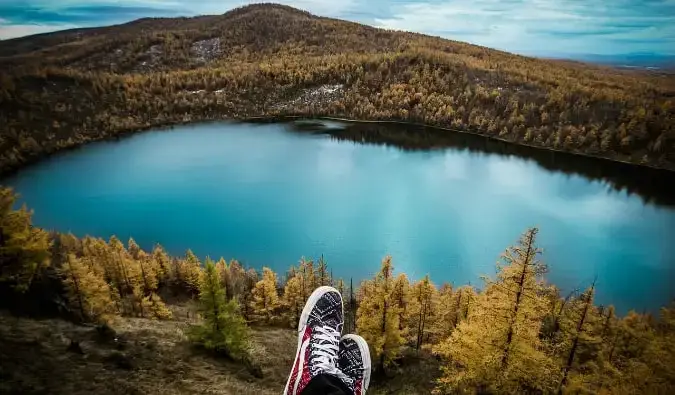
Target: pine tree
[[87, 292], [24, 249], [223, 271], [224, 330], [265, 299], [497, 348], [377, 317]]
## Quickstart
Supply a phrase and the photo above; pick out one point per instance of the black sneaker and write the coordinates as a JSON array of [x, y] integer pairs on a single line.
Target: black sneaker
[[354, 362], [319, 333]]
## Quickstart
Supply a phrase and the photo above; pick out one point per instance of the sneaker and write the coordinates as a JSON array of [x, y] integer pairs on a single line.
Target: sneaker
[[354, 362], [319, 333]]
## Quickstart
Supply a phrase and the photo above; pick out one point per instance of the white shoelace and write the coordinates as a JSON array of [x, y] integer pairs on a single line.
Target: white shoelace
[[324, 353]]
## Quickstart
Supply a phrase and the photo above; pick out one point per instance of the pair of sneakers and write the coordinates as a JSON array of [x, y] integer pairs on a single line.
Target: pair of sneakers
[[323, 351]]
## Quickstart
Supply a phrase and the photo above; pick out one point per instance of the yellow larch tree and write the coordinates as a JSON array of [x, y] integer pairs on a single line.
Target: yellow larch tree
[[377, 316], [88, 294], [497, 347], [265, 299], [163, 263], [24, 249], [400, 297], [422, 311], [151, 303], [293, 299], [322, 275], [191, 269], [445, 317]]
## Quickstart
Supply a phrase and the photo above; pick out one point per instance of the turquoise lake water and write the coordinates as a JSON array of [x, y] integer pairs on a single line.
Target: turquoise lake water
[[266, 196]]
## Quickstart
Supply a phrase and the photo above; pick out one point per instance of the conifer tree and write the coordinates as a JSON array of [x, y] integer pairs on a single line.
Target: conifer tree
[[422, 310], [350, 309], [497, 348], [265, 299], [249, 281], [24, 249], [88, 293], [322, 275], [163, 263], [191, 272], [293, 300], [579, 341], [377, 317], [223, 271], [340, 286], [446, 315], [151, 303], [235, 289], [400, 297], [309, 280], [223, 330]]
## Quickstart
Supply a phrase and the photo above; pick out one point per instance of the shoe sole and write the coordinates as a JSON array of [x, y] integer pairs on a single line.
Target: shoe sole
[[365, 357], [302, 324]]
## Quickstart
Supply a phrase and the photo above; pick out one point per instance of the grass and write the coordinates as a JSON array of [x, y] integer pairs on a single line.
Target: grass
[[141, 356]]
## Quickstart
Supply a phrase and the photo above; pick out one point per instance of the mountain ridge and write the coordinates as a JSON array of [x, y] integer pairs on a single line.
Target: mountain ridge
[[265, 59]]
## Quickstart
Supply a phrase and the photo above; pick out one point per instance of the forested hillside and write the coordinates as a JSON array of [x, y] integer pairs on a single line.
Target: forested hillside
[[63, 89], [514, 334]]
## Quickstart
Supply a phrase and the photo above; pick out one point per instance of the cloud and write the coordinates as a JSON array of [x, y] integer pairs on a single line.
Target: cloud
[[536, 27], [11, 31]]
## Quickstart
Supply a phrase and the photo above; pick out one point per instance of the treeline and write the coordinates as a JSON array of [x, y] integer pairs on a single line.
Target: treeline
[[268, 60], [517, 334]]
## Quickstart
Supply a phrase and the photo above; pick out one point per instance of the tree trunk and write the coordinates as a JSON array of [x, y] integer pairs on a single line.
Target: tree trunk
[[519, 294], [575, 343]]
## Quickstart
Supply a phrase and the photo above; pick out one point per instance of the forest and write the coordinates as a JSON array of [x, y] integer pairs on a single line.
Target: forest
[[64, 89], [514, 334]]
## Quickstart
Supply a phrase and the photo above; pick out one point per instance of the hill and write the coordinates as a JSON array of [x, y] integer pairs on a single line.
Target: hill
[[63, 89], [144, 356]]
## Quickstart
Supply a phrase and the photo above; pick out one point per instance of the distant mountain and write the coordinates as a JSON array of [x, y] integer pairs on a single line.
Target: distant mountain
[[62, 89], [646, 60]]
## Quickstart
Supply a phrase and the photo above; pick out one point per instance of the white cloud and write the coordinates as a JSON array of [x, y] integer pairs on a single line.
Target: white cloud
[[536, 25], [11, 31]]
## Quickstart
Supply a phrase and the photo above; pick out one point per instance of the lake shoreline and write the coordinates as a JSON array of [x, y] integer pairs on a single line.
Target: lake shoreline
[[8, 172]]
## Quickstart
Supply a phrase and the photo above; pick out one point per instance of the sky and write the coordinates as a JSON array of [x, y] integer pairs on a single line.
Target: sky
[[530, 27]]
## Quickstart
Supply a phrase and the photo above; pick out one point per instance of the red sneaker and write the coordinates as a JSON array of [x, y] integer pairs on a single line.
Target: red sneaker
[[319, 332]]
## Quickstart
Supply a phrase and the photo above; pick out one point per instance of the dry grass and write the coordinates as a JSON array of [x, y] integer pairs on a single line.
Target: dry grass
[[154, 357]]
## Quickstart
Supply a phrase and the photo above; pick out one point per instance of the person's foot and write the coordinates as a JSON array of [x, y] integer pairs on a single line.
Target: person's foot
[[354, 362], [319, 332]]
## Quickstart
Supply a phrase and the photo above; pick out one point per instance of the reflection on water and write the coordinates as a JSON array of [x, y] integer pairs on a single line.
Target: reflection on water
[[652, 185]]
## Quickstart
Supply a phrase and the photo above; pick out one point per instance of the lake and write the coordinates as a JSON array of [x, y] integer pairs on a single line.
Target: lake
[[269, 193]]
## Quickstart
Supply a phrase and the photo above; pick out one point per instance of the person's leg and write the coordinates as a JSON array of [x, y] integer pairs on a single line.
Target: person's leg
[[354, 362], [319, 332]]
